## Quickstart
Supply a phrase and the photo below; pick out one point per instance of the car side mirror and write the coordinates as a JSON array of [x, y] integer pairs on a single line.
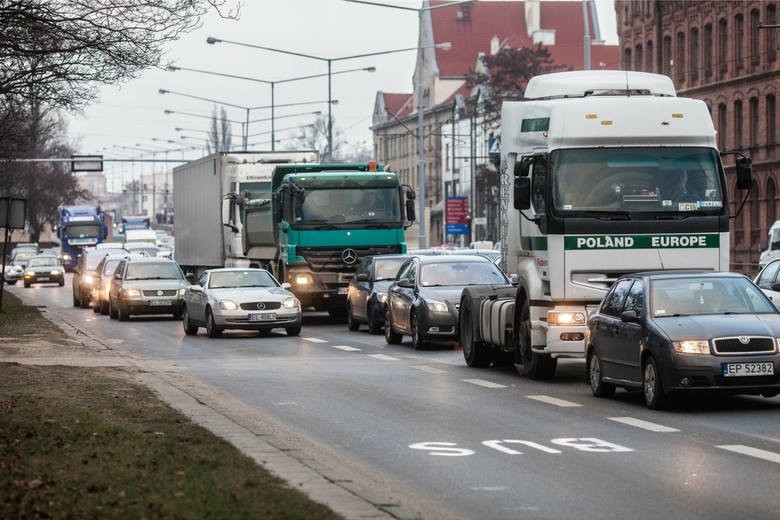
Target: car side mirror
[[196, 288], [629, 317], [776, 286], [405, 283], [514, 279], [362, 277]]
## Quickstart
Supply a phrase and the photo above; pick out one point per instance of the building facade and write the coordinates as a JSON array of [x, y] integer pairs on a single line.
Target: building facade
[[726, 54]]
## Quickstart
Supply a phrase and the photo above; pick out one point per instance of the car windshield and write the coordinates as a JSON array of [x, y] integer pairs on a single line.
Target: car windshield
[[43, 261], [110, 266], [153, 271], [707, 295], [249, 278], [386, 269], [23, 257], [460, 273], [94, 258]]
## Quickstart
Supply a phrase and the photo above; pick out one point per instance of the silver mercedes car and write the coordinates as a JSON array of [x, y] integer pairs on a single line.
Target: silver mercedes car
[[236, 298]]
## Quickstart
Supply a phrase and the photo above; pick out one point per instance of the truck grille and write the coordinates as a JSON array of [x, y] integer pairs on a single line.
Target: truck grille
[[260, 306], [332, 259], [752, 345]]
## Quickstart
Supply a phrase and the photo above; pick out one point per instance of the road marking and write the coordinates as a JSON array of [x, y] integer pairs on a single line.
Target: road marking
[[286, 403], [489, 488], [482, 382], [553, 400], [315, 340], [383, 357], [752, 452], [347, 348], [430, 370], [645, 425]]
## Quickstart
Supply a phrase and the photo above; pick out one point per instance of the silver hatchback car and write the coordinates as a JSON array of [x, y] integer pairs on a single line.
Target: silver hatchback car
[[236, 298]]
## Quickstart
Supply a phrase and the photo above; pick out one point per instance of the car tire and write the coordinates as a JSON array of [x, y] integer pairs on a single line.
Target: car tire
[[391, 336], [103, 307], [595, 378], [536, 366], [112, 311], [83, 302], [352, 323], [417, 339], [373, 327], [62, 283], [26, 285], [293, 331], [263, 333], [475, 353], [96, 307], [189, 328], [76, 302], [652, 386], [211, 326], [122, 313], [11, 282]]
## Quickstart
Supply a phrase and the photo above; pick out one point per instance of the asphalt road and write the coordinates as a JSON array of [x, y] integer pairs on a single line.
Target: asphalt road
[[479, 443]]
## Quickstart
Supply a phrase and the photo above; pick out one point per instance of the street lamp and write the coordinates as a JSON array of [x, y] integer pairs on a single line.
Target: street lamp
[[420, 118], [273, 106]]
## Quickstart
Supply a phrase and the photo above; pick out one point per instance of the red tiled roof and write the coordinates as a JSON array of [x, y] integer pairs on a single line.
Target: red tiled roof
[[398, 105], [471, 34]]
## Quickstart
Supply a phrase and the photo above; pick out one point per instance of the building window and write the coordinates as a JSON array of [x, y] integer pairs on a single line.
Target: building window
[[638, 59], [753, 122], [649, 57], [771, 193], [723, 57], [627, 59], [666, 56], [680, 63], [694, 59], [707, 44], [771, 34], [722, 126], [738, 124], [739, 41], [771, 120], [753, 51]]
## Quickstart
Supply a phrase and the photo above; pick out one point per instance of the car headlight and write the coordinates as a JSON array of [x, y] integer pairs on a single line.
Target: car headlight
[[291, 303], [182, 291], [132, 293], [436, 306], [228, 305], [88, 279], [691, 346], [381, 296], [56, 272], [565, 318]]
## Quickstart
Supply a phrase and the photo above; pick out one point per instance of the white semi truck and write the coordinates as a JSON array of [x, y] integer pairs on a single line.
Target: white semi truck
[[603, 173], [209, 230]]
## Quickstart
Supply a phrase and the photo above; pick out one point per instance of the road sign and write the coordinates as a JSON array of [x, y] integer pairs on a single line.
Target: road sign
[[12, 213], [86, 163], [457, 214]]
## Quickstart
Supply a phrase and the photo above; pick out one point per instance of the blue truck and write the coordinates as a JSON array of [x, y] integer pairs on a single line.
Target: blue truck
[[79, 227]]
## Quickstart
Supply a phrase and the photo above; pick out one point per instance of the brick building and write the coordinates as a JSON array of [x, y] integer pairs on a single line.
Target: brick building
[[715, 51]]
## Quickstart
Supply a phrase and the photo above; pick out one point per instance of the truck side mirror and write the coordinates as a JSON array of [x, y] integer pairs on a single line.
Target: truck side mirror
[[410, 214], [522, 193], [744, 173]]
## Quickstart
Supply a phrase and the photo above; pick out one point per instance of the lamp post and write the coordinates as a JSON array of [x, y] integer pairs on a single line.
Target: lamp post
[[329, 61], [273, 84]]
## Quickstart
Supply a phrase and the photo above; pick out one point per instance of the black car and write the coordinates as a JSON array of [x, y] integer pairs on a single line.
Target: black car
[[367, 291], [85, 276], [666, 332], [424, 300]]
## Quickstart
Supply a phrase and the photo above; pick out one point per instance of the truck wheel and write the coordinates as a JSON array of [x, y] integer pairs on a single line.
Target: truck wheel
[[652, 387], [391, 336], [417, 339], [537, 366], [211, 327], [597, 385], [373, 326], [352, 324], [476, 353], [189, 328]]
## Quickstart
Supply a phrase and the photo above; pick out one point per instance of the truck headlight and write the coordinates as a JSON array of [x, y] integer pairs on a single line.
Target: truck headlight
[[228, 305], [291, 303], [565, 318], [691, 346], [302, 279], [436, 306]]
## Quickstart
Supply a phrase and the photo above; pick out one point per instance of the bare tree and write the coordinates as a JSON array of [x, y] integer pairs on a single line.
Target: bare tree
[[64, 48], [315, 137], [220, 136]]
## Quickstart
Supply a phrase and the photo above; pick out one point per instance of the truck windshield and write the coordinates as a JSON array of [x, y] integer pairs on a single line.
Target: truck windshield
[[82, 230], [624, 181], [351, 206]]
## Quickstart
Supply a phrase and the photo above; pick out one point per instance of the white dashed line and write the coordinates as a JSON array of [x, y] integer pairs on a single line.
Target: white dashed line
[[383, 357], [315, 340], [482, 382], [430, 370], [752, 452], [347, 348], [553, 400], [645, 425]]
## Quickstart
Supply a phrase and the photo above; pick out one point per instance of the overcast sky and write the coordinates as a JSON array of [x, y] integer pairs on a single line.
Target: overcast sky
[[132, 114]]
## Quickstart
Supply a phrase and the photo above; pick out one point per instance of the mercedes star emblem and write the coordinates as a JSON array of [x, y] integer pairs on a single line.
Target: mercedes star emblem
[[260, 306], [349, 256]]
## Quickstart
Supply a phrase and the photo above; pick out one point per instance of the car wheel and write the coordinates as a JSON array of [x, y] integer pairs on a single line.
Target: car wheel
[[11, 282], [536, 366], [652, 387], [476, 353], [293, 331], [103, 307], [391, 336], [597, 385], [122, 313], [417, 340], [26, 285], [76, 302], [96, 306], [189, 328], [83, 302], [264, 333], [211, 327], [352, 323], [62, 283], [112, 311], [373, 326]]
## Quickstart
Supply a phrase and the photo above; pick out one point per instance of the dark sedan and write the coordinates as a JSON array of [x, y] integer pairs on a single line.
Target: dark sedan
[[665, 332], [367, 291], [424, 301]]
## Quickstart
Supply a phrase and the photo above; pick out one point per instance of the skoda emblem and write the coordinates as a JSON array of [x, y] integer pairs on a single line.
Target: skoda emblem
[[744, 340], [159, 293], [260, 306], [349, 256]]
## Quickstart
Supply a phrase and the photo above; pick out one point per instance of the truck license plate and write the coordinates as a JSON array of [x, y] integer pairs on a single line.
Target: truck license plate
[[160, 303], [765, 368], [268, 316]]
